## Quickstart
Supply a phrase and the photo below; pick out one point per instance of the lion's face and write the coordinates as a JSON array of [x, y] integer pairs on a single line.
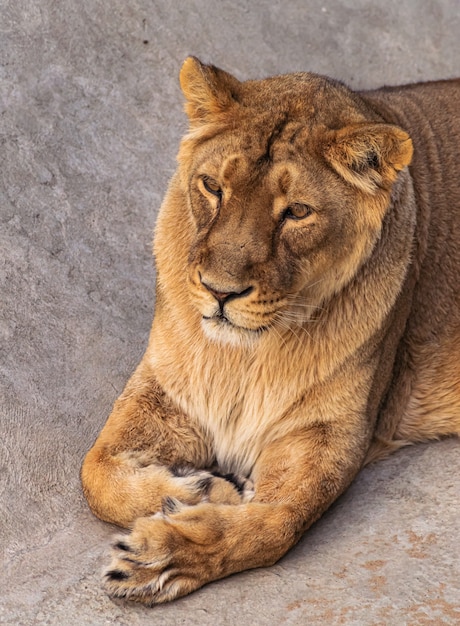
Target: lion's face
[[287, 186]]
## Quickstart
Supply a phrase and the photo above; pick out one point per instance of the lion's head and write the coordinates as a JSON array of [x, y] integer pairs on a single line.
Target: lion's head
[[287, 183]]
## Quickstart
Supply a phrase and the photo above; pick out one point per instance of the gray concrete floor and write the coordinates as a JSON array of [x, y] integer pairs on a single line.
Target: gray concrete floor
[[90, 119]]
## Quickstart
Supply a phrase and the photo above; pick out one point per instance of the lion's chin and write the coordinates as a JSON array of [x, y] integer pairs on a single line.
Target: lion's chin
[[222, 330]]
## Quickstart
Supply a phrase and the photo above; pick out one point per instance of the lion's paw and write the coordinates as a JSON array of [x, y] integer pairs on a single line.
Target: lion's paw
[[243, 486], [196, 484], [214, 486], [161, 558]]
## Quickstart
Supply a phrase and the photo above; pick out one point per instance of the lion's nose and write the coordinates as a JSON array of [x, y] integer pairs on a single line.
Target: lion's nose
[[225, 296]]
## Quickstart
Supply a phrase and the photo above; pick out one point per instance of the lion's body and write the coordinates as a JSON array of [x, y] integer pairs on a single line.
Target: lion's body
[[307, 321], [425, 399]]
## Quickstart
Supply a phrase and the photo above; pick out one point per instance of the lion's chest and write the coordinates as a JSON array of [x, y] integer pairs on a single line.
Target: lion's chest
[[240, 432], [242, 410], [243, 401]]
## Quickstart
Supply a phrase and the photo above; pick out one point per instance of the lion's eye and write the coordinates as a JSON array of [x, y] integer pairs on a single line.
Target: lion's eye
[[297, 211], [212, 187]]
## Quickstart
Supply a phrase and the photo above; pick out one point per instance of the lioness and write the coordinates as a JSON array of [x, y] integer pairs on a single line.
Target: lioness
[[307, 321]]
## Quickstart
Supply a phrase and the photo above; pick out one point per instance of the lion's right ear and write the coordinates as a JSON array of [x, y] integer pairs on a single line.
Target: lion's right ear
[[209, 91]]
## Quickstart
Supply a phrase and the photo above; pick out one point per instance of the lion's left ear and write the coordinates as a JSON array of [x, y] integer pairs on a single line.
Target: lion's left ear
[[368, 155], [209, 91]]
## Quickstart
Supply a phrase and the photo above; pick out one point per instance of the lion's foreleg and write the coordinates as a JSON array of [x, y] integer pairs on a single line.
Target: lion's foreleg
[[183, 547], [146, 451]]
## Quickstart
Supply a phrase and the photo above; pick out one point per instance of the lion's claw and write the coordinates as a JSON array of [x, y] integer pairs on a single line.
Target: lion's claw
[[142, 565]]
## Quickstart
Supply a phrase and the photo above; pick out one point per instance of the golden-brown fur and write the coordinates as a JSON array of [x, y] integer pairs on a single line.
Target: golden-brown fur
[[307, 321]]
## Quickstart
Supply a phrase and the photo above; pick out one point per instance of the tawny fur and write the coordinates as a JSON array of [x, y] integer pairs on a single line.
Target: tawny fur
[[307, 322]]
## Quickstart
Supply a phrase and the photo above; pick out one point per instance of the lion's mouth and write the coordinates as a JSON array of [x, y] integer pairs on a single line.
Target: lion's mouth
[[222, 321], [220, 318]]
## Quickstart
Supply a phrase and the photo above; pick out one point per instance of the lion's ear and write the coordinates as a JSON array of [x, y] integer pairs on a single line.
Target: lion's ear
[[209, 91], [369, 155]]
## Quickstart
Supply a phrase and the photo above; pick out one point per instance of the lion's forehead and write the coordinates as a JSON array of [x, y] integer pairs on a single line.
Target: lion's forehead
[[238, 171], [265, 139], [273, 158]]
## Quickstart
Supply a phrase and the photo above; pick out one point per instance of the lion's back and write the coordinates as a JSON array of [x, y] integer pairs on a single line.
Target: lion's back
[[428, 405]]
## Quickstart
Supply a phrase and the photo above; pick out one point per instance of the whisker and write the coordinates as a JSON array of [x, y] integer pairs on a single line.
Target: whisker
[[307, 306], [307, 333], [277, 333], [315, 283], [282, 320], [294, 317], [298, 300]]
